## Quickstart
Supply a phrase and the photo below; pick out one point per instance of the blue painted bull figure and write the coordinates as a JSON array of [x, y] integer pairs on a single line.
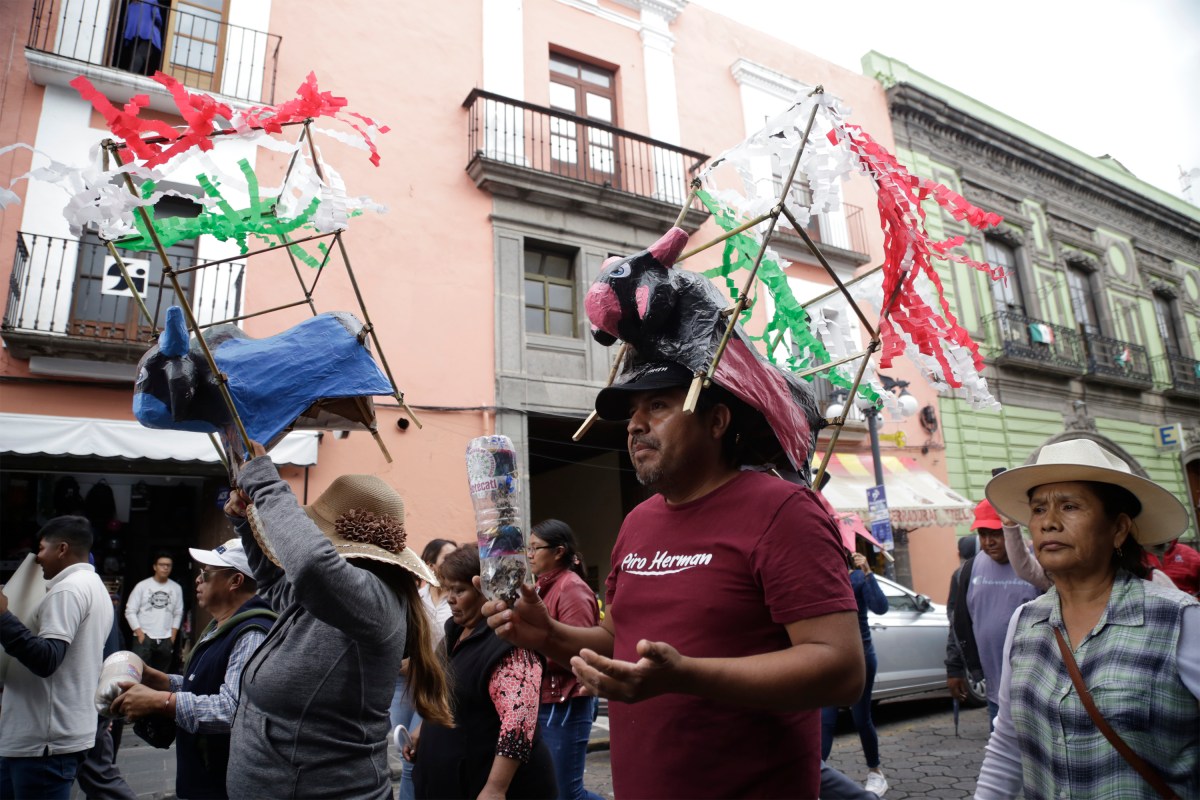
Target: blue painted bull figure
[[317, 374], [670, 314]]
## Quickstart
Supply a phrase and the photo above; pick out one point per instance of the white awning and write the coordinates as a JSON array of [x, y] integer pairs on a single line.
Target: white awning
[[915, 498], [87, 437]]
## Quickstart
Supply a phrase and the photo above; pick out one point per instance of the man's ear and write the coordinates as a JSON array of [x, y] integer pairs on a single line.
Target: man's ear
[[720, 421]]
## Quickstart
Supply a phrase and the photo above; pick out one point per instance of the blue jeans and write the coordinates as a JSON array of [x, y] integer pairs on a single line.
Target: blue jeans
[[403, 713], [861, 712], [993, 710], [565, 730], [40, 777]]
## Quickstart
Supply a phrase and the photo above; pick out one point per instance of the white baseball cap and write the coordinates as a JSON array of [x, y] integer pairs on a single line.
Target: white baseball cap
[[230, 554]]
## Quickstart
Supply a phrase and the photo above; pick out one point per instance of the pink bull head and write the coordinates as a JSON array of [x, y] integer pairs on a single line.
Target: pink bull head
[[633, 296]]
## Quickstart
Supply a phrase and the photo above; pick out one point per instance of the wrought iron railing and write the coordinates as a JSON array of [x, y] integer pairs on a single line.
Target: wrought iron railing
[[1177, 373], [846, 231], [72, 287], [560, 143], [195, 46], [1018, 336], [1113, 358]]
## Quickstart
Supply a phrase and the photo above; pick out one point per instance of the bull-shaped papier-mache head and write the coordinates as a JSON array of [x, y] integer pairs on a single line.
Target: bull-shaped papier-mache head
[[633, 297], [318, 374], [175, 389], [670, 314]]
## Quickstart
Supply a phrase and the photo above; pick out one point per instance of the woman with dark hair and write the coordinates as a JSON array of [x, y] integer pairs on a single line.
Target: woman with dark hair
[[402, 712], [1102, 655], [566, 713], [433, 596], [494, 749]]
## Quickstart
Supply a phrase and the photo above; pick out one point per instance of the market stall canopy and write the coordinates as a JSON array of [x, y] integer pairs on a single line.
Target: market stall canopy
[[86, 437], [916, 499]]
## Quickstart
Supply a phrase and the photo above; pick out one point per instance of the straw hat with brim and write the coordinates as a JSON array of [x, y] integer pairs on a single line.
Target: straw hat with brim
[[364, 518], [1162, 517]]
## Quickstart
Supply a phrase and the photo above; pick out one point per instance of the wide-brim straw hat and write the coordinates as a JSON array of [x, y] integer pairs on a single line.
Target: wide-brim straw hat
[[364, 519], [1162, 518]]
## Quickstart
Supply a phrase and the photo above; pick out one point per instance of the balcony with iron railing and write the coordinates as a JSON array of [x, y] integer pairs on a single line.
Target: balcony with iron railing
[[68, 299], [1018, 340], [118, 44], [558, 159], [1177, 375], [1115, 361], [841, 235]]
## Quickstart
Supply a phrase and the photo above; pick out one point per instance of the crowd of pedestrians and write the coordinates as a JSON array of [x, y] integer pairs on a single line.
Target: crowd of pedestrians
[[735, 627]]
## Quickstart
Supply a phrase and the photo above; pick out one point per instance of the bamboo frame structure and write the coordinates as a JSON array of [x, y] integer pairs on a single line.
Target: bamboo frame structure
[[703, 379], [111, 150]]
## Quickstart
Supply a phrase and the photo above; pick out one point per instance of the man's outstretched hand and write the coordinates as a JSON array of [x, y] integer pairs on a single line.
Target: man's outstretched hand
[[656, 672], [526, 625]]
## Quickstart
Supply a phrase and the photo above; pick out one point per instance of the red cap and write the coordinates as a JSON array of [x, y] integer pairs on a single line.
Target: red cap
[[986, 517]]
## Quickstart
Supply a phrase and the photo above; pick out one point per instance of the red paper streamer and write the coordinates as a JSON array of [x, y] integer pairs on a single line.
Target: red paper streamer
[[199, 110], [900, 197]]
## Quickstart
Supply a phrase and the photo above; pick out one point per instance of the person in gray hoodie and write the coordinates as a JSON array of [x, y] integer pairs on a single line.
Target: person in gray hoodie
[[313, 716]]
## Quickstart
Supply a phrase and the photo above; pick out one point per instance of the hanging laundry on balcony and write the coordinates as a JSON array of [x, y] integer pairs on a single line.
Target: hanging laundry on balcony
[[140, 49], [318, 375], [1041, 333]]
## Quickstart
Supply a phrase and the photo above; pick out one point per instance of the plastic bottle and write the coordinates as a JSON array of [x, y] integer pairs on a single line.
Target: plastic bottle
[[122, 665], [496, 495]]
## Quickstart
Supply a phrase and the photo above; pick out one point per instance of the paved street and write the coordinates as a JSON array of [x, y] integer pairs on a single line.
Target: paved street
[[920, 753]]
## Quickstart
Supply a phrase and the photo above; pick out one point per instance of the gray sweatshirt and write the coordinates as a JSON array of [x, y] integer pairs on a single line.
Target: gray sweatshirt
[[312, 719]]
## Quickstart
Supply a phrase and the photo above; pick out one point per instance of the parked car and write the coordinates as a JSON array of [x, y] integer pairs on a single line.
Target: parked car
[[910, 643]]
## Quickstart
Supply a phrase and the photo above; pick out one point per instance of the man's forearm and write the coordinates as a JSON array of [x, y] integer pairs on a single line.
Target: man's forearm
[[40, 656], [801, 677], [565, 641]]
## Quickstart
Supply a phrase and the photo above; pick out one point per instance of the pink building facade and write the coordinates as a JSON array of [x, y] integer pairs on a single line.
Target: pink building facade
[[530, 140]]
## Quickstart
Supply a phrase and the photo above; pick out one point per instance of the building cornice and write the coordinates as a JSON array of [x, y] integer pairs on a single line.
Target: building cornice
[[1063, 185], [667, 9], [749, 73]]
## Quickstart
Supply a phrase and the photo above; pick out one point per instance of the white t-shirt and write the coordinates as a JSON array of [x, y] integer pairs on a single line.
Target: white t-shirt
[[438, 614], [58, 712], [155, 607]]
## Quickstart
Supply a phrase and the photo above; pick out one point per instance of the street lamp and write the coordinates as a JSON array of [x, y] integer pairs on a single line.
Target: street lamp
[[907, 406]]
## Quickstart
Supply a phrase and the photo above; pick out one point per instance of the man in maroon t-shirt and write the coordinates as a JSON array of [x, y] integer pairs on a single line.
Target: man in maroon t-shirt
[[730, 620]]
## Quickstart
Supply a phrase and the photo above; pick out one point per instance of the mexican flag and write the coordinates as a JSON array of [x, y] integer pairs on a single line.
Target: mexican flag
[[1041, 333], [1124, 357]]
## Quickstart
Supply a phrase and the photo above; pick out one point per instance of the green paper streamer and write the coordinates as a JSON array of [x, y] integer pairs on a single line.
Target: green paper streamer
[[740, 251], [224, 222]]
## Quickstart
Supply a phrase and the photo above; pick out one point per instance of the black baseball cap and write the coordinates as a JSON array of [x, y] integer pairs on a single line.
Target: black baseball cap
[[612, 403]]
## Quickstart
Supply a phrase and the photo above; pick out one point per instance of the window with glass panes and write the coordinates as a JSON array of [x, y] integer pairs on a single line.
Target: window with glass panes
[[1164, 315], [1083, 302], [549, 291], [1007, 290], [585, 90]]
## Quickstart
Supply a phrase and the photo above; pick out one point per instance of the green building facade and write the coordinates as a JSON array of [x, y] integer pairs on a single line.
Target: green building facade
[[1097, 331]]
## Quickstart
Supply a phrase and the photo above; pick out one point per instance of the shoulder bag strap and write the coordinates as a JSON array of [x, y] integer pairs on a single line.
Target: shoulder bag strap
[[1145, 770]]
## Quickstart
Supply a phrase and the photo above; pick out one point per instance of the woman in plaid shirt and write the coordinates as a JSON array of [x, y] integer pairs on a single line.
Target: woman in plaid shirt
[[1137, 644]]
